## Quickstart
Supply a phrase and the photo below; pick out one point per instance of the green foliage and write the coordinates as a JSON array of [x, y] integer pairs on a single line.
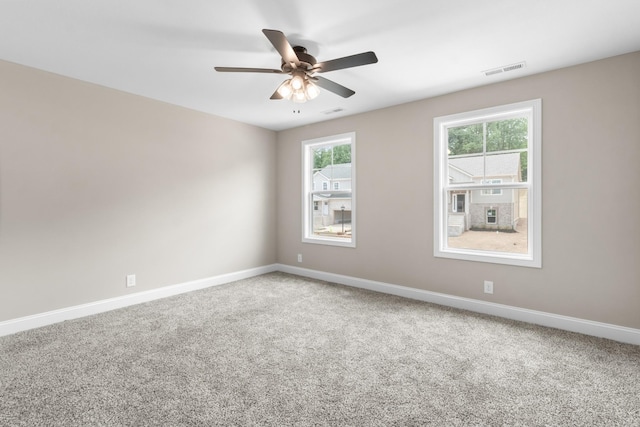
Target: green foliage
[[507, 135], [336, 155], [465, 140], [523, 166]]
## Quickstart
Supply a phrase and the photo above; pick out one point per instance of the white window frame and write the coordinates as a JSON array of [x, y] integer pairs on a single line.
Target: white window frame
[[307, 190], [533, 111], [336, 185]]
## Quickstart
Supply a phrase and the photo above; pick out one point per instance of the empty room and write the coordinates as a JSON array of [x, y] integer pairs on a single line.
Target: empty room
[[362, 213]]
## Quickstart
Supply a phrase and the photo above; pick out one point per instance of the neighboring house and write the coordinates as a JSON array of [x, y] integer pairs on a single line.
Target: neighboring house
[[331, 207], [493, 209]]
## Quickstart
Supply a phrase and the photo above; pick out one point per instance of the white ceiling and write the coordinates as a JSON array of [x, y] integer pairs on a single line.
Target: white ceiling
[[166, 49]]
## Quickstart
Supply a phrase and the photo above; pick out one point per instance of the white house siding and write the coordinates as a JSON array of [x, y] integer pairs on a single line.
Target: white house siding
[[330, 205], [506, 168]]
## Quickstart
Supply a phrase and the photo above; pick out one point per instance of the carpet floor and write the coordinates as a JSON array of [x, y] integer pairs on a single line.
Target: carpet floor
[[282, 350]]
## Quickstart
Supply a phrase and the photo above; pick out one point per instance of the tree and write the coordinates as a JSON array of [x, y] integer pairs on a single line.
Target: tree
[[465, 140], [507, 135], [342, 154], [336, 155]]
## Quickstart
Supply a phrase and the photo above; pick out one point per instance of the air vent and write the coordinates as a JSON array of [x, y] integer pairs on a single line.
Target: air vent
[[492, 72], [333, 111], [505, 68]]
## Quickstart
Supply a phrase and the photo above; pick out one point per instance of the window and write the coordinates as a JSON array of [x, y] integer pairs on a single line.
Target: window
[[492, 216], [328, 160], [458, 203], [493, 191], [487, 185]]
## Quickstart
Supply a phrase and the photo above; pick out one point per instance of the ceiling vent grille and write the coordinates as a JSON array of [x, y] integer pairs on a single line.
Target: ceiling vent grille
[[505, 68]]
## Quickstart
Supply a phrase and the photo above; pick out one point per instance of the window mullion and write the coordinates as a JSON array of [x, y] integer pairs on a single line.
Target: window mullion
[[507, 185]]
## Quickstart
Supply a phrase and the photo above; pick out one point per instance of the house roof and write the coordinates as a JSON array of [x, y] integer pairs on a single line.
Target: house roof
[[342, 171], [496, 164]]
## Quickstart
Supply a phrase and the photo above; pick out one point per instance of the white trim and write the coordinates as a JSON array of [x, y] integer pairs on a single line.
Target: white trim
[[50, 317], [533, 258], [572, 324], [587, 327], [307, 179]]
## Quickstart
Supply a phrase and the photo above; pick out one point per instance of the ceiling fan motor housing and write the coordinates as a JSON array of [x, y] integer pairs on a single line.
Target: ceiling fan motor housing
[[307, 61]]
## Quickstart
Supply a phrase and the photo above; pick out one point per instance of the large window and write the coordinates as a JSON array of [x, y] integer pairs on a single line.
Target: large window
[[329, 164], [487, 200]]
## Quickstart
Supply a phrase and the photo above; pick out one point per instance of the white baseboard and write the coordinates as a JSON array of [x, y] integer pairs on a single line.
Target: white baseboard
[[587, 327], [43, 319]]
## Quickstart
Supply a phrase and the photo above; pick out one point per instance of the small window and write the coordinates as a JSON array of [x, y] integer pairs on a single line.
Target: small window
[[329, 162], [458, 203], [492, 216], [487, 185], [492, 191]]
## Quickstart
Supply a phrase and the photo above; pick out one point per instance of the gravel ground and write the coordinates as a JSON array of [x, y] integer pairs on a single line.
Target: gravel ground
[[493, 241]]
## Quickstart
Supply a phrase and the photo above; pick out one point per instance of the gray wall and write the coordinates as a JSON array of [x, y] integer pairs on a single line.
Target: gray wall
[[96, 184], [591, 196]]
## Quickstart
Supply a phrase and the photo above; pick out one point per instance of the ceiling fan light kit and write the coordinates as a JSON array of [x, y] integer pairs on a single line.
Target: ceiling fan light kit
[[302, 67], [298, 88]]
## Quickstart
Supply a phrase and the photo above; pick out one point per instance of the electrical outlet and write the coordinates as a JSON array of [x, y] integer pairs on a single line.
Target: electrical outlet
[[131, 280], [299, 257], [488, 287]]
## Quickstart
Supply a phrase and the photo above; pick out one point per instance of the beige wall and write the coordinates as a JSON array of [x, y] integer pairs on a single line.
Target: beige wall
[[591, 196], [96, 184]]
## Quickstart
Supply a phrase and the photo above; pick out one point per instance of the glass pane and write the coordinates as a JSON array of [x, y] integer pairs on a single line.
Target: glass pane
[[324, 156], [485, 224], [465, 160], [465, 140], [341, 154], [506, 135], [524, 162], [332, 216], [502, 168]]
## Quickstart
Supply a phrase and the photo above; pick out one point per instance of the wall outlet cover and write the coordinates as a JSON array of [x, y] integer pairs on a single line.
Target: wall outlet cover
[[131, 280], [488, 287]]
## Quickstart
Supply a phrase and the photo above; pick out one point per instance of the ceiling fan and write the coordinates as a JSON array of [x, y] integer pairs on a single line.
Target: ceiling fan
[[302, 67]]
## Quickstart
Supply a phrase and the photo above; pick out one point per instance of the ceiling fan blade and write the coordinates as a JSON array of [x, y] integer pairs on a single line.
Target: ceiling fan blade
[[333, 87], [247, 70], [276, 95], [347, 62], [280, 42]]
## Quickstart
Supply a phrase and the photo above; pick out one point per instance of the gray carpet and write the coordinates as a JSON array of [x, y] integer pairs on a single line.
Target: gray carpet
[[284, 350]]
